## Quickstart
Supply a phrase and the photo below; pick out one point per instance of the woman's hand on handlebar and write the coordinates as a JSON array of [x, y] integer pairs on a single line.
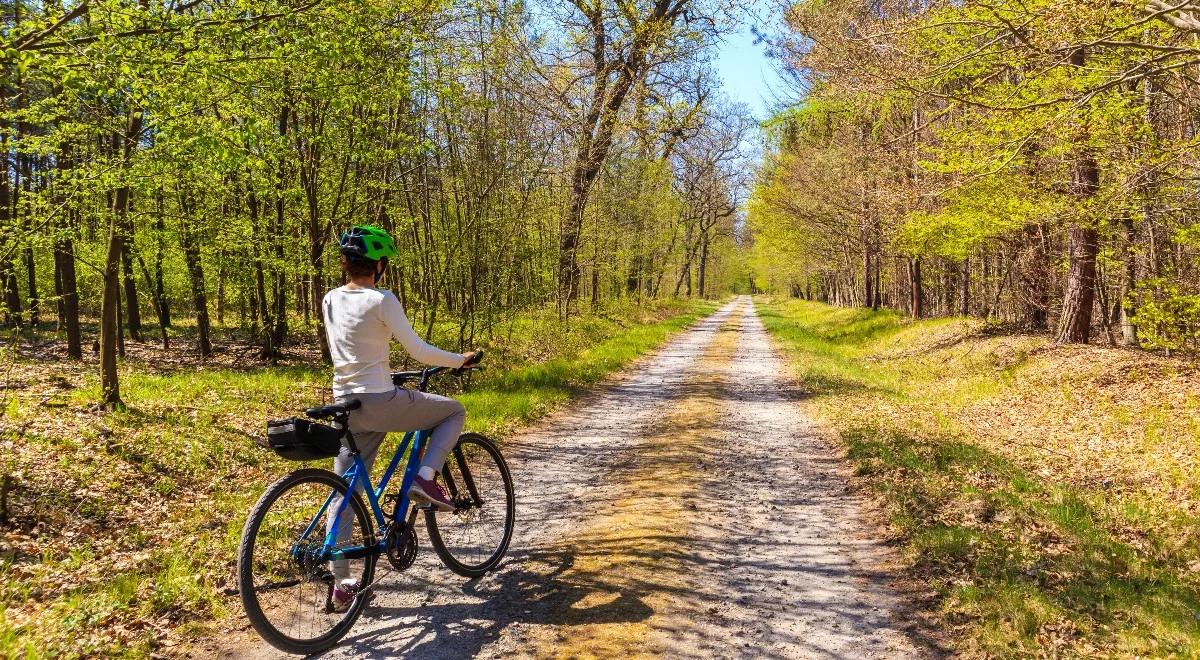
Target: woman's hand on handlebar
[[471, 359]]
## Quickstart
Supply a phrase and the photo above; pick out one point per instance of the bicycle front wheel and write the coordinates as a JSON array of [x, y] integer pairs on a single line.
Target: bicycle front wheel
[[471, 540], [285, 586]]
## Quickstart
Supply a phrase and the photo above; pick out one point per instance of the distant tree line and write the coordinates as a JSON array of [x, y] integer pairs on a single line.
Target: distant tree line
[[192, 161], [1033, 162]]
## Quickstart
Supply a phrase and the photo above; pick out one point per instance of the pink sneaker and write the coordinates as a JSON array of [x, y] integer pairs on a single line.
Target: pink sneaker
[[343, 595], [430, 492]]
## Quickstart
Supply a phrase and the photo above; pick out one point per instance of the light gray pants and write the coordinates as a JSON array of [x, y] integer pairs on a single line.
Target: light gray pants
[[381, 413]]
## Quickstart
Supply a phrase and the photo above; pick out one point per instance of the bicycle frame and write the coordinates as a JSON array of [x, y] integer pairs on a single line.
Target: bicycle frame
[[357, 476]]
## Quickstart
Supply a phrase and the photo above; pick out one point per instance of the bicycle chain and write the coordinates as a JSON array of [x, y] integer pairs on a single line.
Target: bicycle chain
[[395, 567]]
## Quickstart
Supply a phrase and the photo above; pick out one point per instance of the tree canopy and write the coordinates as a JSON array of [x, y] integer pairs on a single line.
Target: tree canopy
[[190, 162], [1032, 162]]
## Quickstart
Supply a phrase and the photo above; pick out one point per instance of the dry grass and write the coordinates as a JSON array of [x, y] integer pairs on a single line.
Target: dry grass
[[1048, 493]]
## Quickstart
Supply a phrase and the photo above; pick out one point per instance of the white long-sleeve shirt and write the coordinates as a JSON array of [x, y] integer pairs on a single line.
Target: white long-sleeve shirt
[[360, 324]]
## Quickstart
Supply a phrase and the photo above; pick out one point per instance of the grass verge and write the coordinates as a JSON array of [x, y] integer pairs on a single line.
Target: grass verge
[[1048, 494], [120, 529]]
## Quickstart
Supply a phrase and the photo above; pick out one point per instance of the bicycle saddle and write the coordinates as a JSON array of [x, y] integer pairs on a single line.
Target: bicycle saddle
[[333, 410]]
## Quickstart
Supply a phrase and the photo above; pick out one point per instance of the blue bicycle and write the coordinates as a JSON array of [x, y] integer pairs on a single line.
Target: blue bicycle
[[311, 530]]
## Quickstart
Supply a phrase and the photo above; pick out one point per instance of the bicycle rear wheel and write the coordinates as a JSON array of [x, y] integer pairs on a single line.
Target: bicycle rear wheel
[[472, 540], [285, 587]]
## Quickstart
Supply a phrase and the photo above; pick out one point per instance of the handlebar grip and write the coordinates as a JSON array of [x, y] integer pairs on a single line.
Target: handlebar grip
[[476, 360]]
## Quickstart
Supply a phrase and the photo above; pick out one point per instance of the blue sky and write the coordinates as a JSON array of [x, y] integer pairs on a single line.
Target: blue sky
[[748, 75]]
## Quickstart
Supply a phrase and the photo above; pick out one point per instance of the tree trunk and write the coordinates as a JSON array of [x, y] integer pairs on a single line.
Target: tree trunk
[[964, 296], [66, 281], [1129, 332], [685, 273], [160, 291], [608, 98], [110, 391], [68, 292], [595, 280], [120, 322], [8, 279], [270, 349], [1035, 276], [195, 268], [221, 288], [8, 274], [31, 277], [568, 245], [154, 284], [133, 318], [109, 386], [23, 188], [311, 288], [1075, 324], [316, 288], [868, 281], [279, 330], [157, 299], [916, 288], [12, 294]]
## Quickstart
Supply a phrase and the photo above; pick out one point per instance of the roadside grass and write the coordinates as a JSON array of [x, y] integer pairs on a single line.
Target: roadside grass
[[122, 527], [1048, 494]]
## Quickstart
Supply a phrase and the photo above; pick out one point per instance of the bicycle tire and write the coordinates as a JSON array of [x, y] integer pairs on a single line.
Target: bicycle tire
[[246, 582], [487, 448]]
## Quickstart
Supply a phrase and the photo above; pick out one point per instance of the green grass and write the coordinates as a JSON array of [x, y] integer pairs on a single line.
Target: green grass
[[125, 524], [1029, 556]]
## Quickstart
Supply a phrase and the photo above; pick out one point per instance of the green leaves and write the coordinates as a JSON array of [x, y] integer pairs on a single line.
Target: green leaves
[[974, 214]]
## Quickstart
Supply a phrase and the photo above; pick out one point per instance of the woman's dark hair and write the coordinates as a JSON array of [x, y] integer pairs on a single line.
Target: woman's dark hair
[[360, 267]]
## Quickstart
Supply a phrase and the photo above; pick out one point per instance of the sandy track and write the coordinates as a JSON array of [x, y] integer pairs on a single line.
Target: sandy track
[[687, 510]]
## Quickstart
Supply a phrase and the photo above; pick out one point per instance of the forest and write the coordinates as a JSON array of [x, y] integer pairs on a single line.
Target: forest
[[944, 271], [1028, 162], [190, 164]]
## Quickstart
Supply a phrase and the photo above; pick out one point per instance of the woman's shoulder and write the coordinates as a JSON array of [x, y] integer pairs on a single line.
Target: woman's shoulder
[[367, 296], [368, 292], [360, 295], [380, 295]]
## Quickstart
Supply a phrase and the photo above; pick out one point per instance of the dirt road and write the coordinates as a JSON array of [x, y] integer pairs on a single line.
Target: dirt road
[[688, 510]]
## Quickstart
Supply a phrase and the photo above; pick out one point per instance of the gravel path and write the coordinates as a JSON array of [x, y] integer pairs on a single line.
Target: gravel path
[[687, 510]]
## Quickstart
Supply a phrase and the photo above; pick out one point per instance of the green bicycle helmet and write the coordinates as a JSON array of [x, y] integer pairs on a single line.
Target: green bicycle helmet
[[367, 243]]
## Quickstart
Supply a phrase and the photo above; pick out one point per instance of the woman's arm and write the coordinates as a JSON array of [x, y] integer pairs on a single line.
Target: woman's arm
[[401, 329]]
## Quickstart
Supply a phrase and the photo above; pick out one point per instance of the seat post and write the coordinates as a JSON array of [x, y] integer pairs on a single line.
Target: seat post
[[344, 420]]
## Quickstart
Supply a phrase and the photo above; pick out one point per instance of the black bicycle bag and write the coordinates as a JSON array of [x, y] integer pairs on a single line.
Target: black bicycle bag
[[299, 439]]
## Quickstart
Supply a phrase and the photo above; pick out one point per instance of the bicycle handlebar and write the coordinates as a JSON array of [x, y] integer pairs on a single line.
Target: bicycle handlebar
[[422, 376]]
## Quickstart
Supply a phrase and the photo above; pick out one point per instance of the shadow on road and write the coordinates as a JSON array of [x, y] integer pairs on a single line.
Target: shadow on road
[[536, 588]]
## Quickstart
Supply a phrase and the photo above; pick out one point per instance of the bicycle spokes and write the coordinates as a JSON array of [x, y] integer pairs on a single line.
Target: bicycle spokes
[[288, 589], [472, 538]]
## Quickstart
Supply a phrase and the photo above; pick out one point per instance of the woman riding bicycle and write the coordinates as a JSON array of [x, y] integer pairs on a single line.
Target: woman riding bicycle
[[360, 321]]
